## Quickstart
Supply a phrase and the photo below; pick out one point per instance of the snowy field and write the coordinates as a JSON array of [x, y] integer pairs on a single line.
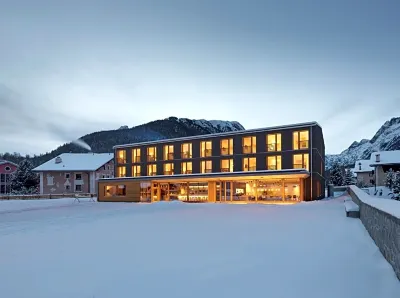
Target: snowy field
[[63, 249]]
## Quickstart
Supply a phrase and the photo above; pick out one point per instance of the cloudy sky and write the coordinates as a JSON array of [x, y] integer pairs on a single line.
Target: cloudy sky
[[68, 68]]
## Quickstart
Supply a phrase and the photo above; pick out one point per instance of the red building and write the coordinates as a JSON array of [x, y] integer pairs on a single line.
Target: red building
[[6, 169]]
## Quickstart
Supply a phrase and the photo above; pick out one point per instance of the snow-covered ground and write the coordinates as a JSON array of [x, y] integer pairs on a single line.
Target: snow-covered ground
[[101, 250]]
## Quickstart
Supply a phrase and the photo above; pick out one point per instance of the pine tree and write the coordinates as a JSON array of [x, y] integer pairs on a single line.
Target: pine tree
[[24, 181], [396, 183], [348, 178], [336, 175], [390, 177]]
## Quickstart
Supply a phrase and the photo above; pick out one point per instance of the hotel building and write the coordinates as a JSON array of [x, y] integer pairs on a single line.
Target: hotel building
[[275, 164]]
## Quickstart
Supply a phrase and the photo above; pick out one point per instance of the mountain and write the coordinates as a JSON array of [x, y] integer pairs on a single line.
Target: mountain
[[387, 138], [103, 141]]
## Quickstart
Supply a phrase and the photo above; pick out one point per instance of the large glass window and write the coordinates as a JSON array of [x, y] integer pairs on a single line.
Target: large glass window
[[226, 165], [249, 145], [186, 150], [168, 169], [151, 170], [205, 148], [136, 155], [136, 171], [151, 153], [121, 171], [274, 142], [274, 163], [300, 140], [249, 164], [112, 190], [301, 161], [206, 166], [186, 167], [121, 156], [226, 147], [168, 152]]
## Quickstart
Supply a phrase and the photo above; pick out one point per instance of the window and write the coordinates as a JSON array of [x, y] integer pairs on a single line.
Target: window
[[168, 152], [300, 140], [67, 187], [67, 175], [274, 163], [226, 147], [186, 150], [151, 153], [274, 142], [121, 156], [249, 145], [186, 167], [78, 187], [206, 166], [205, 148], [168, 169], [121, 171], [7, 168], [110, 191], [136, 155], [300, 161], [78, 176], [151, 170], [227, 165], [136, 171], [249, 164]]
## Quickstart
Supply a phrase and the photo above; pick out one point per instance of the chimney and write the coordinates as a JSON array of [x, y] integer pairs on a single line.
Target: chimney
[[58, 159], [378, 157]]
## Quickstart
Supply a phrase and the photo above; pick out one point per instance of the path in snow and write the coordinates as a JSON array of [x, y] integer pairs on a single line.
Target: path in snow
[[106, 250]]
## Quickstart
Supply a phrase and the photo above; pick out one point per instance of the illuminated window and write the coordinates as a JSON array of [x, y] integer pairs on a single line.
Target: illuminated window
[[136, 155], [121, 171], [186, 167], [300, 140], [121, 156], [249, 164], [168, 169], [151, 153], [136, 171], [274, 142], [205, 148], [301, 161], [186, 150], [168, 152], [249, 145], [274, 163], [206, 166], [226, 165], [151, 170], [111, 190], [226, 147]]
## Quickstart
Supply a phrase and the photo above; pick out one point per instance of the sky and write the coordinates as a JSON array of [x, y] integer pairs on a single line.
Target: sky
[[68, 68]]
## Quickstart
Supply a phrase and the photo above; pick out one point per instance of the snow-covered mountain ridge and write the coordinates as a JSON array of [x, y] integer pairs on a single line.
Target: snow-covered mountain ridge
[[387, 138]]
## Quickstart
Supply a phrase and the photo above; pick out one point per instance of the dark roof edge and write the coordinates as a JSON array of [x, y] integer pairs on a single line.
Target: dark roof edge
[[221, 134]]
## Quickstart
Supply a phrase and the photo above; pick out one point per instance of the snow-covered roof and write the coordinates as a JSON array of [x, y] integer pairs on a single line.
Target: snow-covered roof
[[385, 158], [2, 162], [363, 166], [76, 162]]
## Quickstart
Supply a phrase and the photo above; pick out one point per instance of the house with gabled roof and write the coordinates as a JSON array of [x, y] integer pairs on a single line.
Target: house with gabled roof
[[7, 168], [382, 162], [75, 172], [364, 173]]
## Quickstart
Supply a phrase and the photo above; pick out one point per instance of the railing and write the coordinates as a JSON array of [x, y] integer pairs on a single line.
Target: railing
[[186, 155], [47, 196], [136, 159], [121, 160], [206, 153], [151, 158], [169, 156]]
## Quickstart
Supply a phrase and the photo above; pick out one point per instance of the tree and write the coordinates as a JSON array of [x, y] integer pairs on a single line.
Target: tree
[[336, 175], [348, 178], [396, 183], [24, 181], [390, 177]]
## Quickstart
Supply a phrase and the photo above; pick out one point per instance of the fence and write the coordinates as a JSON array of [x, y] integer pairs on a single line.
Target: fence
[[46, 197]]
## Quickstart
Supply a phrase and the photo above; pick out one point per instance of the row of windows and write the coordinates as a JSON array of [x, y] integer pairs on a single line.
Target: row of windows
[[273, 143], [300, 161]]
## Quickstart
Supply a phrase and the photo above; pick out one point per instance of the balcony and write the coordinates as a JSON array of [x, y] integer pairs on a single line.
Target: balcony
[[186, 155], [303, 145], [136, 159], [121, 160], [151, 158], [247, 149], [168, 172], [187, 172], [169, 156], [206, 153], [225, 151]]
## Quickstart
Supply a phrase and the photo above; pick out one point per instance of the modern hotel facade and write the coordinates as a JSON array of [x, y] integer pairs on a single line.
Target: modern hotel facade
[[278, 164]]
